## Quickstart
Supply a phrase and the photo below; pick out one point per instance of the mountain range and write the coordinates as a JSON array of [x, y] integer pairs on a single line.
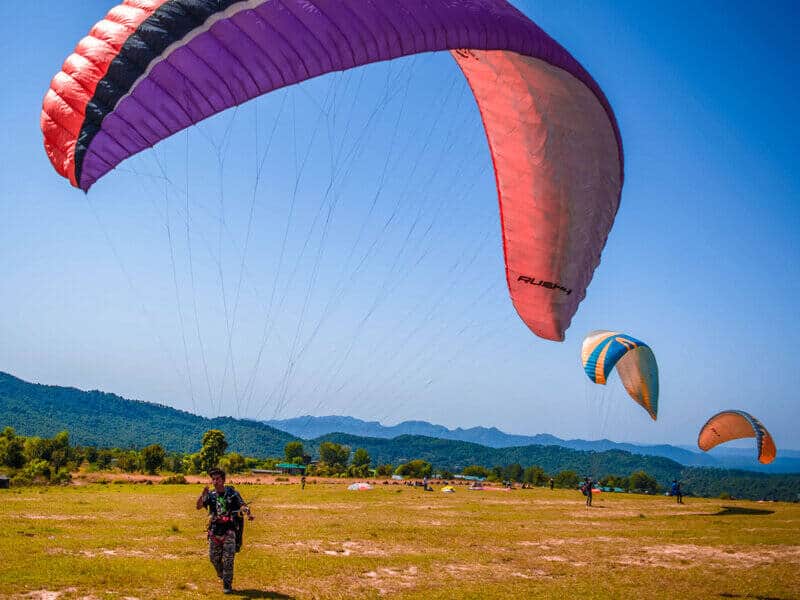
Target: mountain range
[[107, 420], [308, 427]]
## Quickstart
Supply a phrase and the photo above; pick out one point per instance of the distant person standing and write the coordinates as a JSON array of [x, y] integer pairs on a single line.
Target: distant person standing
[[676, 491], [552, 483], [303, 482], [225, 507], [587, 490]]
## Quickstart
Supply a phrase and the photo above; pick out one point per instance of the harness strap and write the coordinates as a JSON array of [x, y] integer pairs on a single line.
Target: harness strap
[[217, 539]]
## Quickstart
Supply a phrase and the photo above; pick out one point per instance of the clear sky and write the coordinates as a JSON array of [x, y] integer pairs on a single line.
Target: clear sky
[[371, 281]]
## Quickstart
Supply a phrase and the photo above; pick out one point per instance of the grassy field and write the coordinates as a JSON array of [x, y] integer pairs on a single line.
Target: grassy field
[[148, 541]]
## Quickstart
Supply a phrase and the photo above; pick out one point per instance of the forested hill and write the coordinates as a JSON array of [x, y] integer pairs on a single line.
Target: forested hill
[[107, 420], [307, 427], [454, 455]]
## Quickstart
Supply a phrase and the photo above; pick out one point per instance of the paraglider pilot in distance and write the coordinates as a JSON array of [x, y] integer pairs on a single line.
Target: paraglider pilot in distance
[[675, 490], [225, 525], [586, 488]]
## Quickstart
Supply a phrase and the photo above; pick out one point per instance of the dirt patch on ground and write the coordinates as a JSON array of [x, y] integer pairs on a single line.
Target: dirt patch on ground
[[491, 572], [687, 556], [386, 580], [326, 506], [350, 548], [47, 594], [111, 553], [437, 513], [55, 517], [55, 595], [554, 542]]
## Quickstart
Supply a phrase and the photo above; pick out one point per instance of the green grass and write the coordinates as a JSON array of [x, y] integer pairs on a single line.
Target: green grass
[[148, 541]]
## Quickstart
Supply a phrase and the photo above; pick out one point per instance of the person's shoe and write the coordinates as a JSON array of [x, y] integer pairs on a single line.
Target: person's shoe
[[227, 588]]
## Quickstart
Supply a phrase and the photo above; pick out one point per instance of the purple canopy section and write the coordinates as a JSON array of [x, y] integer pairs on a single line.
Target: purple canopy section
[[257, 46]]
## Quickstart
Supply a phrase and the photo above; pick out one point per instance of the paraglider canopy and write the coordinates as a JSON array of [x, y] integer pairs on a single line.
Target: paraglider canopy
[[359, 487], [634, 360], [733, 425], [152, 68]]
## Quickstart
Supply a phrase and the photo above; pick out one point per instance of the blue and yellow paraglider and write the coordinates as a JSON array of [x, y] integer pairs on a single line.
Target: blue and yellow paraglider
[[635, 362]]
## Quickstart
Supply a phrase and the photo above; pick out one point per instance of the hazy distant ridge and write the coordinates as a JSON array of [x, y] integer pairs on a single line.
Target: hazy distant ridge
[[312, 427]]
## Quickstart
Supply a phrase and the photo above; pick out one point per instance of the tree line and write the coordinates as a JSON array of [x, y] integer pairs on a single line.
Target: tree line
[[35, 459]]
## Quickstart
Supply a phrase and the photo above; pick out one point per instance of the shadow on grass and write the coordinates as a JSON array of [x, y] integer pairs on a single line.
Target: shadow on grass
[[728, 510], [749, 597], [741, 510], [266, 594]]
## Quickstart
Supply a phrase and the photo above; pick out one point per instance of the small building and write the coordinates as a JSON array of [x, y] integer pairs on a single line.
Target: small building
[[291, 469], [5, 482]]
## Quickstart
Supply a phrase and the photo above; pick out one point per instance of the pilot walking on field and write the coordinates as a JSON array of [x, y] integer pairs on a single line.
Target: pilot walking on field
[[225, 507]]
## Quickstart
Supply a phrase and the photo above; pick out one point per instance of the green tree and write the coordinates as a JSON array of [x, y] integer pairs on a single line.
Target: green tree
[[415, 468], [384, 470], [12, 449], [61, 440], [104, 459], [334, 456], [513, 472], [37, 448], [153, 458], [213, 449], [475, 471], [566, 479], [359, 466], [535, 475], [36, 470], [61, 453], [293, 451], [361, 458], [642, 482], [232, 463], [91, 453], [251, 463], [128, 461], [193, 463], [175, 463]]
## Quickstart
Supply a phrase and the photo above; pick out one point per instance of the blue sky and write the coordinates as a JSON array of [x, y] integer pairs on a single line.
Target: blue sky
[[401, 312]]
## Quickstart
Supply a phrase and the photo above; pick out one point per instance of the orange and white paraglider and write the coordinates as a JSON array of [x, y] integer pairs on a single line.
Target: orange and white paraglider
[[733, 425]]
